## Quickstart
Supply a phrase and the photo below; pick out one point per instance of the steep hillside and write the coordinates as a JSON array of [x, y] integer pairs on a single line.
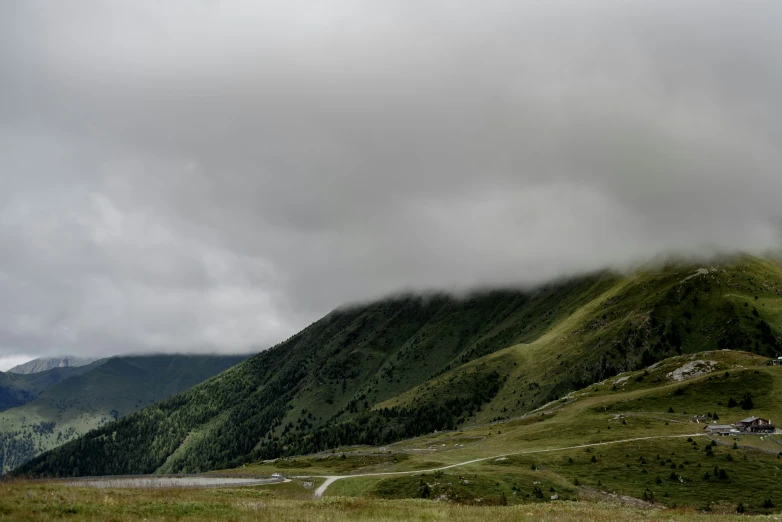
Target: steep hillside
[[48, 363], [408, 366], [17, 389], [110, 390], [644, 318]]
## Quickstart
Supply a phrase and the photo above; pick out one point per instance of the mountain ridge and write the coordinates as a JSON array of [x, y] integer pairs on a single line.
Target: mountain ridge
[[48, 363], [17, 389], [408, 366]]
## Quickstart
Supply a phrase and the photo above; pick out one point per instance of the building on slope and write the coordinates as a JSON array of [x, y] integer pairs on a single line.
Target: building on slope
[[755, 425], [720, 429]]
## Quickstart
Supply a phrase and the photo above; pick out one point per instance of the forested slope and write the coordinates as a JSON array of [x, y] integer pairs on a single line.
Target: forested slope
[[410, 365], [108, 391]]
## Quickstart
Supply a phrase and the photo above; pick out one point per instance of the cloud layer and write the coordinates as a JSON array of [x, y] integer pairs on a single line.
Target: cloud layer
[[214, 175]]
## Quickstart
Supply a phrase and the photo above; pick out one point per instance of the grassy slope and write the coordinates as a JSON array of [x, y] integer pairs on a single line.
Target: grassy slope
[[24, 501], [412, 352], [102, 393], [643, 318], [636, 407]]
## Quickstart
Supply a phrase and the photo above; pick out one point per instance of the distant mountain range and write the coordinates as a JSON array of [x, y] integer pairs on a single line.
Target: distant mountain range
[[48, 363], [51, 407], [17, 389]]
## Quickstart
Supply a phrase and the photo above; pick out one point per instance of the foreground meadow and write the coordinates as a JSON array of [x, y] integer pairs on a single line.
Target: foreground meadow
[[28, 501]]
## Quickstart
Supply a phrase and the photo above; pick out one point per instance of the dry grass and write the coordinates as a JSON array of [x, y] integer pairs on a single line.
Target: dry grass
[[28, 501]]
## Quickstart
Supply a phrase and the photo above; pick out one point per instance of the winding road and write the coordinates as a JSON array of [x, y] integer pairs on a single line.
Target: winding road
[[330, 479]]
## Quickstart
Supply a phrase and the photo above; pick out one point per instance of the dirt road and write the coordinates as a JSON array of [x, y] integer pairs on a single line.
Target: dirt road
[[330, 479]]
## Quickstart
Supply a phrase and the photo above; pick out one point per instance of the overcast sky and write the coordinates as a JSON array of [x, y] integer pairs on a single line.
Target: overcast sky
[[215, 175]]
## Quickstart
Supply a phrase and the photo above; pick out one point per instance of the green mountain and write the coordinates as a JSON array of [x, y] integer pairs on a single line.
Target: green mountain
[[99, 393], [17, 389], [47, 363], [411, 365]]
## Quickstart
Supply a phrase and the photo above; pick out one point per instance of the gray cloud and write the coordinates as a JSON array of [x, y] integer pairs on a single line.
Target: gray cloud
[[215, 175]]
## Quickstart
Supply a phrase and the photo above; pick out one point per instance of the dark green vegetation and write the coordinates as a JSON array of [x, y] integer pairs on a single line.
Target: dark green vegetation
[[498, 489], [95, 395], [411, 365], [17, 389]]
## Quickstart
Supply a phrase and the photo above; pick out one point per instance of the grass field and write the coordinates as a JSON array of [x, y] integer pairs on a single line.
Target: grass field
[[23, 501]]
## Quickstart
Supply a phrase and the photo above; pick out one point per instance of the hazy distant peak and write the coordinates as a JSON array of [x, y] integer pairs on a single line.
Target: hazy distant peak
[[47, 363]]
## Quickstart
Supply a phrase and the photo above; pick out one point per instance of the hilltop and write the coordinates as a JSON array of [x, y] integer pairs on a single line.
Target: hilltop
[[408, 366]]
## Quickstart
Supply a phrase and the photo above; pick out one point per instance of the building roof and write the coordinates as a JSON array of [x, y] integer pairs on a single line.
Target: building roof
[[748, 420], [719, 427]]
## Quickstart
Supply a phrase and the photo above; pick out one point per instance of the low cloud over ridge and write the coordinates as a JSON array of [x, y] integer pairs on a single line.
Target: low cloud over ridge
[[215, 175]]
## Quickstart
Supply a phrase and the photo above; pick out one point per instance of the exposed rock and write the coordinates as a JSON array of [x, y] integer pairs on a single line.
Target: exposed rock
[[692, 369], [700, 271]]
